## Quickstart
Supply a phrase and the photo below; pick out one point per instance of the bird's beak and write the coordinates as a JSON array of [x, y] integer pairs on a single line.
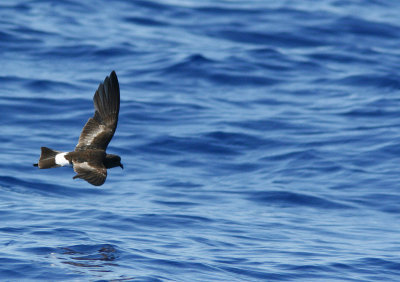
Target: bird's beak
[[121, 165]]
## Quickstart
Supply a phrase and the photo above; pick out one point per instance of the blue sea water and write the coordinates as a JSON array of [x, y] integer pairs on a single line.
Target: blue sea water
[[260, 139]]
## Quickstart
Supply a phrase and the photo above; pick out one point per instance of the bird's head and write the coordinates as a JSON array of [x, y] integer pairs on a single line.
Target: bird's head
[[113, 161]]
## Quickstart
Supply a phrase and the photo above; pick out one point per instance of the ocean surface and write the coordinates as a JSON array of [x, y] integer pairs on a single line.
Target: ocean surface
[[260, 139]]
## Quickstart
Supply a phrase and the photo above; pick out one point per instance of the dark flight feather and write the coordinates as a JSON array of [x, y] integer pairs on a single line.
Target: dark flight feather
[[99, 129]]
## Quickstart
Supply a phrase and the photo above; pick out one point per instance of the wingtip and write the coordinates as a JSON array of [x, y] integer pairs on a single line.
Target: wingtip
[[112, 79], [113, 76]]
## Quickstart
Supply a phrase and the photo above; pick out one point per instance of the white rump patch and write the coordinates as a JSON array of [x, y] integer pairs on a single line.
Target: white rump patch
[[61, 160]]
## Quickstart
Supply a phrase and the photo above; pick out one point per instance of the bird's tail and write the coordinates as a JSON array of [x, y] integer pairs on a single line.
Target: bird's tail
[[47, 158]]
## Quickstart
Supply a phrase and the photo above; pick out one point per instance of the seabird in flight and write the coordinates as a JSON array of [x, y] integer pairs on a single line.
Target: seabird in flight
[[89, 159]]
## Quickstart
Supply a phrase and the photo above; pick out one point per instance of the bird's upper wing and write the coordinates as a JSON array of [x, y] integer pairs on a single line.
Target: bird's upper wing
[[99, 129], [95, 174]]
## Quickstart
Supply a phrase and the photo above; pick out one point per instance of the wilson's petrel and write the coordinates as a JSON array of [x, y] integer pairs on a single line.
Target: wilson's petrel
[[90, 160]]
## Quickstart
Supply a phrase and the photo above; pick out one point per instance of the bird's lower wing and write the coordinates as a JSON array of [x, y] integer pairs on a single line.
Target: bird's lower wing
[[95, 174]]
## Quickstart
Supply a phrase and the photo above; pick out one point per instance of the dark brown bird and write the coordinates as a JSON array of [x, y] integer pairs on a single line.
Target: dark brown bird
[[90, 160]]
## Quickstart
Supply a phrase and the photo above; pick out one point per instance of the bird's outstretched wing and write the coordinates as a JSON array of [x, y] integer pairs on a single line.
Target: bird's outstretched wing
[[95, 174], [99, 129]]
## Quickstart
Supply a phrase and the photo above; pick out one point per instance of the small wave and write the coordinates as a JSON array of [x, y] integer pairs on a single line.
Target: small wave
[[289, 199]]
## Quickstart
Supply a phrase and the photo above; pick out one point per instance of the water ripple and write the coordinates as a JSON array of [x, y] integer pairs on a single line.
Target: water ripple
[[259, 139]]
